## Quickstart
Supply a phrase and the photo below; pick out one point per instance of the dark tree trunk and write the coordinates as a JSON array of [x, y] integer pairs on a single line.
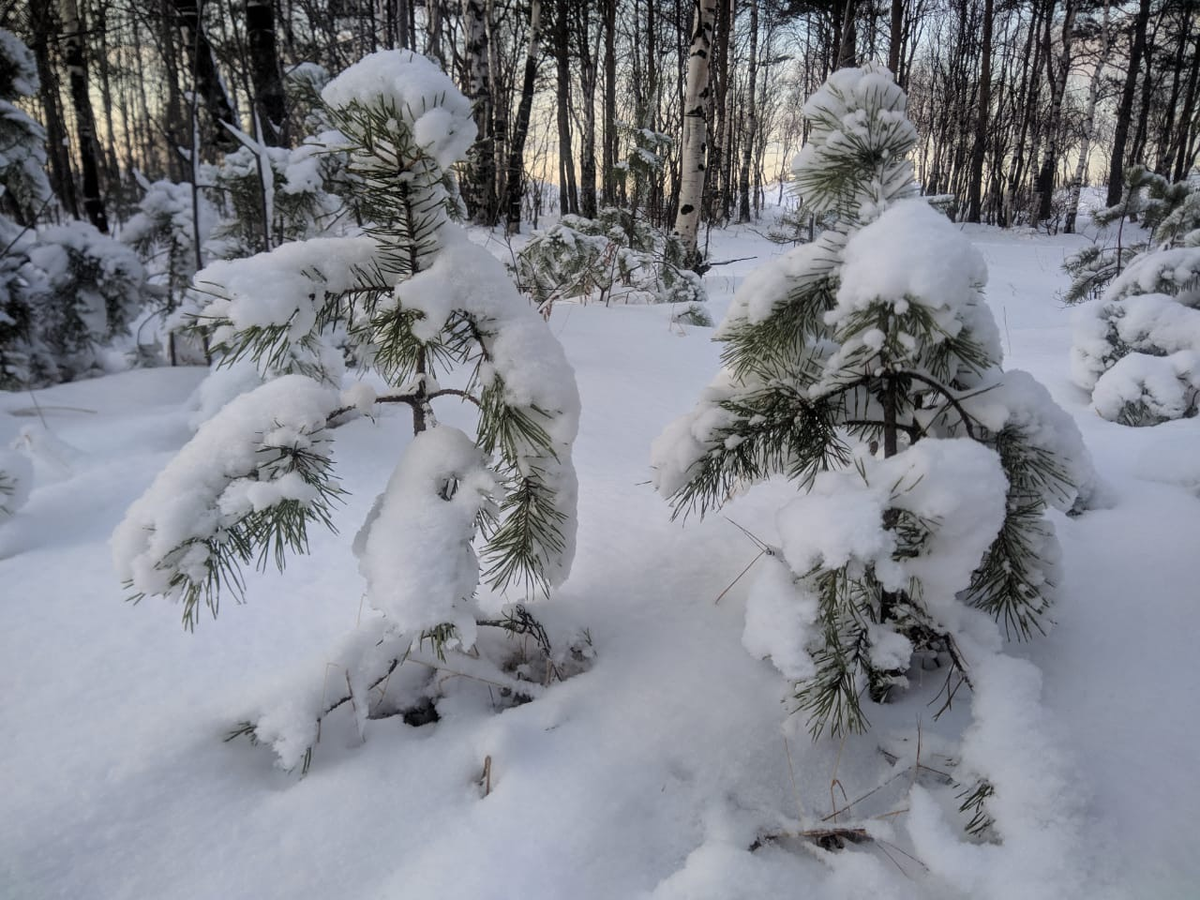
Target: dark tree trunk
[[205, 79], [847, 52], [896, 38], [1058, 87], [586, 60], [265, 74], [568, 194], [609, 162], [45, 26], [751, 120], [85, 120], [516, 154], [1182, 160], [1116, 167], [979, 148], [1167, 126]]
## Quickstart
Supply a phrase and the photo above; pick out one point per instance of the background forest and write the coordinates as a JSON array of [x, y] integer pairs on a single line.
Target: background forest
[[1017, 103]]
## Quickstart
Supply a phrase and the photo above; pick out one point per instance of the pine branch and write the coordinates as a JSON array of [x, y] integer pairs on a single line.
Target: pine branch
[[774, 430]]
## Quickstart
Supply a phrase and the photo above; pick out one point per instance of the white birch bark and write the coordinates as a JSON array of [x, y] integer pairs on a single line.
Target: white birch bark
[[1089, 123], [695, 128]]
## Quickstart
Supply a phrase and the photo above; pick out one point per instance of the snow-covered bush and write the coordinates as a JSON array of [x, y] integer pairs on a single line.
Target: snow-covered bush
[[612, 257], [16, 479], [24, 191], [65, 290], [163, 232], [865, 366], [22, 140], [92, 289], [645, 164], [1166, 211], [1137, 344], [420, 299], [269, 196]]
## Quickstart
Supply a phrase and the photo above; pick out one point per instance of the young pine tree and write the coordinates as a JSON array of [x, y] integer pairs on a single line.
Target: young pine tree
[[1136, 345], [24, 193], [865, 367], [418, 300], [65, 290]]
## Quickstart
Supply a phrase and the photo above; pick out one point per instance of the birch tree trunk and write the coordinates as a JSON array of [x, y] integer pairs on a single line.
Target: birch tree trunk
[[85, 120], [1089, 124], [481, 179], [695, 129]]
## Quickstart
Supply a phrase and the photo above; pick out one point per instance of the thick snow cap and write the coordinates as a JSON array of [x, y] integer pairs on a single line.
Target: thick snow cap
[[425, 98]]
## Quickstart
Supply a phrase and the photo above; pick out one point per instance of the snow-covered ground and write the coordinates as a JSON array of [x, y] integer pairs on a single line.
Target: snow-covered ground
[[653, 773]]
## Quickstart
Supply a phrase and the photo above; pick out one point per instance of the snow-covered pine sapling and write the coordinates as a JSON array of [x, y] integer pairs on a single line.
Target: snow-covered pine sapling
[[1137, 345], [16, 480], [418, 299], [92, 290], [614, 256], [865, 367], [24, 194], [1093, 267]]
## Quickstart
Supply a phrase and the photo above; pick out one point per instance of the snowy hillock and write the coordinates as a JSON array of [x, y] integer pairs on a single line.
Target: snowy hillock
[[670, 768]]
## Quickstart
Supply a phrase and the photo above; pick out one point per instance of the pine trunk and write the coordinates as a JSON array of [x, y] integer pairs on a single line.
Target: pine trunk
[[206, 81], [265, 74], [85, 120], [609, 163], [516, 157], [568, 195], [45, 26], [1183, 161], [1116, 167], [1058, 90], [979, 148], [751, 120], [896, 38]]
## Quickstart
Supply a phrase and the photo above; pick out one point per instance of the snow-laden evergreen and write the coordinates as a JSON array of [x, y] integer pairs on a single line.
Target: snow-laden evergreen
[[612, 258], [67, 292], [865, 366], [417, 301], [91, 290], [1137, 344], [671, 743], [24, 192]]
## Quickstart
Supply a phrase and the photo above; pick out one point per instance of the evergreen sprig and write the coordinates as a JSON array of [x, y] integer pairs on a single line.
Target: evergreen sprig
[[8, 490], [1012, 584], [785, 345], [257, 536], [773, 430], [832, 696]]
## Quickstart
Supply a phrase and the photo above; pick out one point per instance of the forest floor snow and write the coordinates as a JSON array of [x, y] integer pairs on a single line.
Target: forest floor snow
[[653, 773]]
